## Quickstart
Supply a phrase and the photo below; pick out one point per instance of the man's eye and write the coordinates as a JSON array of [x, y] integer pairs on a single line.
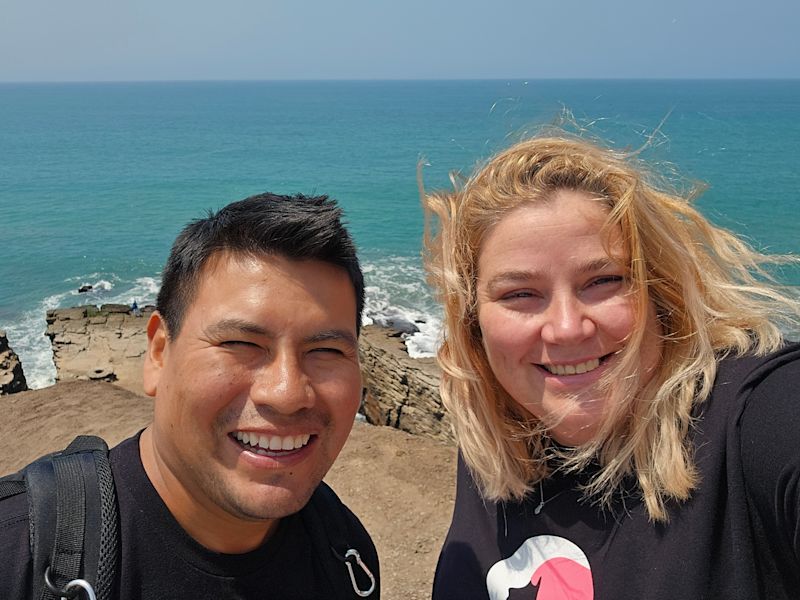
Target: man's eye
[[328, 350], [241, 343]]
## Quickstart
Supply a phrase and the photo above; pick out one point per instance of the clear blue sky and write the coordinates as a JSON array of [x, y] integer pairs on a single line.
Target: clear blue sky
[[102, 40]]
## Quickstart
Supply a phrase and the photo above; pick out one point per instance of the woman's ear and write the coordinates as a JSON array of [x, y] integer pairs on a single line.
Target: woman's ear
[[157, 340]]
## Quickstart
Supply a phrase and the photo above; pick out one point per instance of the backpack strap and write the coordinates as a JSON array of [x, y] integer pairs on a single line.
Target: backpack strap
[[11, 485], [326, 519], [73, 520]]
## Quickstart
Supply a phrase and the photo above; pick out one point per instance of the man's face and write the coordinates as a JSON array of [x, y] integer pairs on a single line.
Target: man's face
[[256, 394]]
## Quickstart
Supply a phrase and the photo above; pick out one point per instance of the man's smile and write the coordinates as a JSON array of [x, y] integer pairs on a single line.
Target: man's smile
[[270, 445]]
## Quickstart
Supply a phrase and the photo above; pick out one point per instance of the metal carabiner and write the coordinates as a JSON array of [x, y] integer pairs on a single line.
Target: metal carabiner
[[66, 593], [354, 553]]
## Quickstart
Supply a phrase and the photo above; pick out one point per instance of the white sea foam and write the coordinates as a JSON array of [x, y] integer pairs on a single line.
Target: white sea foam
[[397, 295], [425, 342], [143, 291], [27, 338], [103, 285]]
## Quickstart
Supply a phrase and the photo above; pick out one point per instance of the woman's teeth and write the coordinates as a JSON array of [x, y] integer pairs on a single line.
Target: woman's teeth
[[584, 367]]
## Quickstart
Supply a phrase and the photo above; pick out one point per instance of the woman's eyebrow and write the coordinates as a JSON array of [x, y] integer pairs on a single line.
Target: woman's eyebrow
[[511, 277], [599, 264], [521, 276]]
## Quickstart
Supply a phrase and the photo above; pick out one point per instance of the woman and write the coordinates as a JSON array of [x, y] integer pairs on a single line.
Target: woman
[[627, 411]]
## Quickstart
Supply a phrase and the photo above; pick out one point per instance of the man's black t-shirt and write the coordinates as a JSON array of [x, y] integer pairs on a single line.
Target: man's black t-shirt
[[737, 537], [160, 561]]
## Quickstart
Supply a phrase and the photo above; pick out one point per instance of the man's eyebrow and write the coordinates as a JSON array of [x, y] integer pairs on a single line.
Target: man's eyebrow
[[226, 326], [333, 335], [238, 325]]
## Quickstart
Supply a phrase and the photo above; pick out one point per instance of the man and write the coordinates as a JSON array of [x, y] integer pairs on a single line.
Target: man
[[253, 363]]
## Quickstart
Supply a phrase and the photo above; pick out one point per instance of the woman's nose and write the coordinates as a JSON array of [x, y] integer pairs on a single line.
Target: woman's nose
[[566, 321]]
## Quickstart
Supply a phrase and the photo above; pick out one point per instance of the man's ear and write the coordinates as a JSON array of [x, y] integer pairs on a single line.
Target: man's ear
[[157, 340]]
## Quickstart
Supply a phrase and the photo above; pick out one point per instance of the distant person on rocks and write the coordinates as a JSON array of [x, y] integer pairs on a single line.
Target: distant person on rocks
[[135, 309], [252, 360], [626, 407]]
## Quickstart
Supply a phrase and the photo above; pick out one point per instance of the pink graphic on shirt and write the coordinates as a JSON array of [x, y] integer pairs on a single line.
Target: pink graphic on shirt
[[556, 566]]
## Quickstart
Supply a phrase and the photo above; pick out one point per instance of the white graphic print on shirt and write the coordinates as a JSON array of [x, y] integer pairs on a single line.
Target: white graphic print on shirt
[[557, 567]]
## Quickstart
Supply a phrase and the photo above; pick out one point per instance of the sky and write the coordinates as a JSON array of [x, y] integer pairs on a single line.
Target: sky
[[151, 40]]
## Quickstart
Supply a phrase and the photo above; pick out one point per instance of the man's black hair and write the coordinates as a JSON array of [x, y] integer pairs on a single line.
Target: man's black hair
[[295, 227]]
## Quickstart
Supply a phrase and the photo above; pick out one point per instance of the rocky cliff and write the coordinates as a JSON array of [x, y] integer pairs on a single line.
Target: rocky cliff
[[12, 379], [106, 343], [400, 391]]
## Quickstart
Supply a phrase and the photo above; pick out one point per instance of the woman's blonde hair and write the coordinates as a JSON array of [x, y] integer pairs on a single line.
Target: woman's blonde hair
[[711, 294]]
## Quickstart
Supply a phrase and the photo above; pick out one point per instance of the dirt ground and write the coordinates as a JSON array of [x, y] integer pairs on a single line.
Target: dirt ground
[[401, 486]]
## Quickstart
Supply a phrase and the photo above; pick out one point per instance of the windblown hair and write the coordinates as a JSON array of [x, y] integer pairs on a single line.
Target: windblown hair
[[295, 227], [711, 293]]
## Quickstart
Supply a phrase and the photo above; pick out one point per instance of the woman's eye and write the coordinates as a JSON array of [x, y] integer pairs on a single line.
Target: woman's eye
[[517, 294], [607, 279]]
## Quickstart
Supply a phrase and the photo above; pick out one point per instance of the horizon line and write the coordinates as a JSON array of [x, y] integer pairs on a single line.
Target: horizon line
[[392, 80]]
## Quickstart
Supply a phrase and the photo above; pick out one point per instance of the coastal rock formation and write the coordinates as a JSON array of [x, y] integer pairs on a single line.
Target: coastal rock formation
[[400, 391], [106, 343], [12, 379]]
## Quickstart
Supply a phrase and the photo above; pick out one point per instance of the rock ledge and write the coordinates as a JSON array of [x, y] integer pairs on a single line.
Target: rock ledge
[[106, 343], [400, 391]]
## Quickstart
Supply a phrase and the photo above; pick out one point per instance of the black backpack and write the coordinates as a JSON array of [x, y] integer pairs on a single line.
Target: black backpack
[[72, 510], [74, 535]]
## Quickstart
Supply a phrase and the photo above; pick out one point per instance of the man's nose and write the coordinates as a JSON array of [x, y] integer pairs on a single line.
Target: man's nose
[[283, 385], [567, 321]]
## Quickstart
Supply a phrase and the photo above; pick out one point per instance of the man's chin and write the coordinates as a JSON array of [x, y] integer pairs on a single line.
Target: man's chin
[[270, 502]]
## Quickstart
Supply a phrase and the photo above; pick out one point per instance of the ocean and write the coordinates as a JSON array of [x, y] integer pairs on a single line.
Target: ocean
[[97, 179]]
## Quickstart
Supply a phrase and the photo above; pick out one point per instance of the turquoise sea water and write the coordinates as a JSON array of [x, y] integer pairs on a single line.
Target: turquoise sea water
[[97, 179]]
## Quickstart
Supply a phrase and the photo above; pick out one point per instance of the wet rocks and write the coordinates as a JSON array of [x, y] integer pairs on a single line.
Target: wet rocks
[[12, 379]]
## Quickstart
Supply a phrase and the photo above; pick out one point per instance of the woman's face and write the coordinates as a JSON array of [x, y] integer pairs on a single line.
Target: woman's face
[[555, 310]]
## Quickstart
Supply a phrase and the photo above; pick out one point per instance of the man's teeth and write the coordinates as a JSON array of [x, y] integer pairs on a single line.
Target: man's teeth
[[585, 367], [262, 442]]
